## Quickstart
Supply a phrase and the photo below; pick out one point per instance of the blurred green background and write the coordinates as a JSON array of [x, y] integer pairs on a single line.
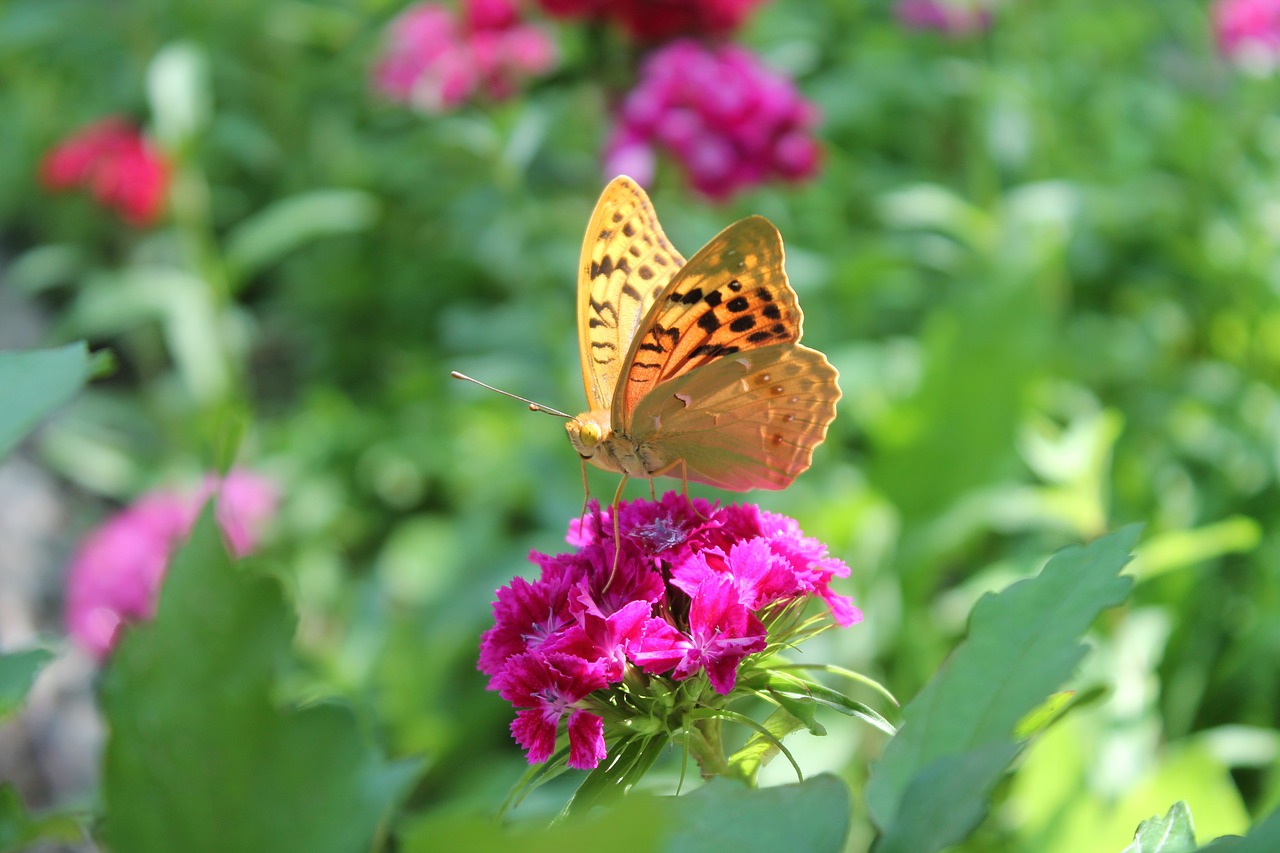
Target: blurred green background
[[1042, 258]]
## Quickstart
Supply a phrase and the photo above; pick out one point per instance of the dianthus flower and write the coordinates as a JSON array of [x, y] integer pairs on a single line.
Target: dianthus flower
[[117, 164], [730, 122], [116, 574], [952, 17], [639, 638], [659, 20], [435, 62], [1248, 32]]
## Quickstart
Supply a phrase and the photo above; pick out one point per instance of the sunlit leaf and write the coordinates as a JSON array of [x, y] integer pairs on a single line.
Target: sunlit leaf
[[958, 733], [1173, 833]]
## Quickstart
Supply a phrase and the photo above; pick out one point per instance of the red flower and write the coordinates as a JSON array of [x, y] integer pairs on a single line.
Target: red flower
[[122, 169], [659, 20]]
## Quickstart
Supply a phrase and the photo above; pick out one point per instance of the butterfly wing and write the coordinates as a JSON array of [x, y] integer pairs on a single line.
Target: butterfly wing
[[627, 262], [731, 297], [743, 421]]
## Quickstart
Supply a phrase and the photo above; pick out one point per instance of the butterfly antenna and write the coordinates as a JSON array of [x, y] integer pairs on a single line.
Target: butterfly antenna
[[533, 407]]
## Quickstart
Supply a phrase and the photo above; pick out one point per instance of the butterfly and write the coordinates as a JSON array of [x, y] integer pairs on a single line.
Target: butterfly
[[694, 369]]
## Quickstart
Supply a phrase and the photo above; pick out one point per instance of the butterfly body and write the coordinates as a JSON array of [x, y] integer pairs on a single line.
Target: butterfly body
[[694, 369]]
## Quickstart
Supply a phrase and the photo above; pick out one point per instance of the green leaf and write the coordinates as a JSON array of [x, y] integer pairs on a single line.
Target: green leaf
[[290, 223], [1262, 838], [760, 748], [201, 757], [19, 829], [812, 816], [33, 384], [637, 825], [1173, 833], [18, 671], [946, 799], [1022, 644]]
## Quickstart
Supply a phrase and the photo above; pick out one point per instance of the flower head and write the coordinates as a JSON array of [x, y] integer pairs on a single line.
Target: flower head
[[118, 165], [1248, 32], [729, 121], [116, 574], [689, 591], [659, 20], [951, 17], [436, 62]]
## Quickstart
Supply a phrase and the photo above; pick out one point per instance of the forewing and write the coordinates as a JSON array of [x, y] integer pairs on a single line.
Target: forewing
[[731, 297], [749, 420], [626, 263]]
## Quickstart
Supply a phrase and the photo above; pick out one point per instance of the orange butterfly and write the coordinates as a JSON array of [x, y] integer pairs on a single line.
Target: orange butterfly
[[693, 369]]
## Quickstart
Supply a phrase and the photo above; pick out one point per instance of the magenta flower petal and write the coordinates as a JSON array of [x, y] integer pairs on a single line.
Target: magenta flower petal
[[117, 571], [535, 731], [586, 740], [721, 114]]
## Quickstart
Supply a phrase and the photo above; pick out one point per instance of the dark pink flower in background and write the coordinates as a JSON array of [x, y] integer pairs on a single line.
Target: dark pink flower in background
[[117, 164], [116, 574], [952, 17], [693, 591], [659, 20], [436, 62], [1248, 32], [729, 121]]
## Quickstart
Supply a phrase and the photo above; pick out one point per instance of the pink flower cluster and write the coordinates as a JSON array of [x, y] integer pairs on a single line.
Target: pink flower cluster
[[728, 120], [694, 592], [659, 20], [117, 572], [436, 63], [1248, 32], [952, 17], [117, 164]]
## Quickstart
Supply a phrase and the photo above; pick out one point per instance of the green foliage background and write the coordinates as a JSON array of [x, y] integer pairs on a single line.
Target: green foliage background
[[1043, 260]]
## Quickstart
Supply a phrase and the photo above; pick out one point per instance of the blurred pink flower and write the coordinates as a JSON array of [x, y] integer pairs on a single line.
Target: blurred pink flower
[[726, 118], [436, 63], [1248, 32], [117, 164], [952, 17], [659, 20], [117, 571]]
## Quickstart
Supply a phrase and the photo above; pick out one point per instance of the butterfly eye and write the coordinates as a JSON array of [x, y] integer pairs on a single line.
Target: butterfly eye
[[590, 434]]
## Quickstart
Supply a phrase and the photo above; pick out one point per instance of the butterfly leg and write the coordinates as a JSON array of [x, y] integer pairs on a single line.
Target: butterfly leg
[[684, 483], [586, 494], [617, 535]]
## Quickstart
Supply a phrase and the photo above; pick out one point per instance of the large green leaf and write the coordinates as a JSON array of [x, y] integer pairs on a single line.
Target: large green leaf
[[812, 816], [1022, 644], [17, 672], [33, 384], [200, 756]]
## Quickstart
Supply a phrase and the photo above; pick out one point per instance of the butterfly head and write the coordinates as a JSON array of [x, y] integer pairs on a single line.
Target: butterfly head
[[588, 433]]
